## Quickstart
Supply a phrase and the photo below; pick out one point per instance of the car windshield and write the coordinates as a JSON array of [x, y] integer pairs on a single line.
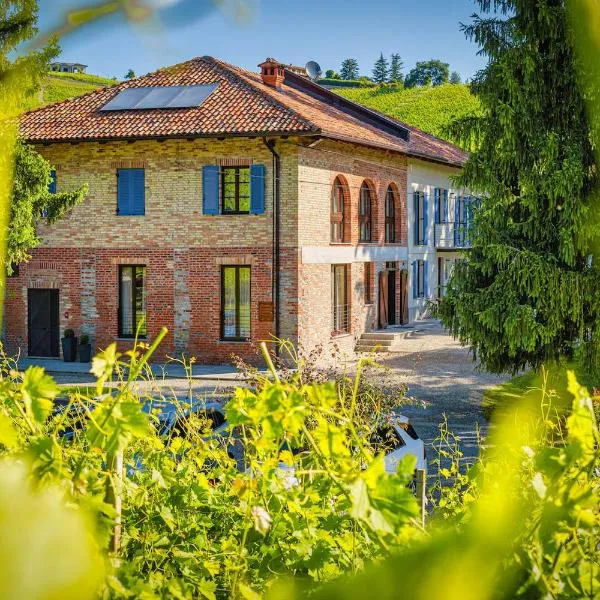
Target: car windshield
[[385, 439], [409, 429]]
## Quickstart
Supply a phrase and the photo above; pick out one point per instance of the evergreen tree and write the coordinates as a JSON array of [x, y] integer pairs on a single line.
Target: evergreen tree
[[349, 69], [20, 77], [527, 292], [130, 74], [455, 77], [396, 66], [380, 70]]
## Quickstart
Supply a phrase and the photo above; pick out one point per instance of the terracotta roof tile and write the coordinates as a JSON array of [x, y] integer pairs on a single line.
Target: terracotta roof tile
[[241, 105]]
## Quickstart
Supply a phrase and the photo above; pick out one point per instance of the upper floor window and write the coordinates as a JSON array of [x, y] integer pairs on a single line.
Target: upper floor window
[[235, 190], [441, 206], [238, 190], [132, 301], [131, 194], [390, 215], [337, 211], [420, 219], [365, 213]]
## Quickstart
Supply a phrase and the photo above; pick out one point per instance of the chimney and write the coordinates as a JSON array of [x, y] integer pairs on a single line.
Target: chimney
[[272, 73]]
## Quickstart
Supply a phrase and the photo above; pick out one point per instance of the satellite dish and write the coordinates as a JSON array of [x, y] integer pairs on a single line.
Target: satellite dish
[[313, 70]]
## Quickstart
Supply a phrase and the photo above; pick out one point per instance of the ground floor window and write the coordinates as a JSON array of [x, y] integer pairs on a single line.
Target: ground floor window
[[235, 303], [445, 269], [420, 276], [132, 301], [368, 283], [339, 300]]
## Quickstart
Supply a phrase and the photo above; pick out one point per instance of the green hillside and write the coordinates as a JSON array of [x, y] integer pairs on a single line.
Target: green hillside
[[60, 86], [428, 108]]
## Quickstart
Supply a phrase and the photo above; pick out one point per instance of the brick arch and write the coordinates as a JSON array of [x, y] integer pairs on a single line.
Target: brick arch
[[398, 212], [340, 184], [367, 184]]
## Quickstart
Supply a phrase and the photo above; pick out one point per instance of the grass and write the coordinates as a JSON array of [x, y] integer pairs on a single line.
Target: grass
[[428, 108], [62, 86]]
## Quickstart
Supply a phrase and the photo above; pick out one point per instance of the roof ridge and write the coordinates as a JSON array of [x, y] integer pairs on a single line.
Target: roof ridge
[[231, 69]]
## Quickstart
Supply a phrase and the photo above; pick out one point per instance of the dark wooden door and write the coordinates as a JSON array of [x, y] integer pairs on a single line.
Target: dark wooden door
[[383, 299], [43, 323], [391, 297], [403, 297]]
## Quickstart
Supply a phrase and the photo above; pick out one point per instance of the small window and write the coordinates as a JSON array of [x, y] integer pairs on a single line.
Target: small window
[[390, 216], [337, 212], [367, 283], [132, 301], [420, 219], [441, 206], [235, 303], [235, 190], [131, 193], [52, 185], [364, 213], [420, 280], [339, 300]]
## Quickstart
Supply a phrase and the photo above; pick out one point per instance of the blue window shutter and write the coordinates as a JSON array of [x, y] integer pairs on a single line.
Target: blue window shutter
[[425, 218], [446, 207], [456, 219], [138, 192], [123, 192], [436, 206], [257, 189], [52, 186], [425, 280], [210, 190], [416, 218], [415, 280], [131, 192]]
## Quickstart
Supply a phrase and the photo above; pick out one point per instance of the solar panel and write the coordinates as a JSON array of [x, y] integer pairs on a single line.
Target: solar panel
[[172, 96]]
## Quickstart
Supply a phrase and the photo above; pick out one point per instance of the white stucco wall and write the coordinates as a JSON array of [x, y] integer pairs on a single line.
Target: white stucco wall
[[425, 177]]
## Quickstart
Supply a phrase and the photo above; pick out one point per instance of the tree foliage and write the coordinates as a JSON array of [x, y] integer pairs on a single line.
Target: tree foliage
[[130, 74], [349, 69], [430, 72], [527, 292], [396, 65], [455, 77], [381, 70]]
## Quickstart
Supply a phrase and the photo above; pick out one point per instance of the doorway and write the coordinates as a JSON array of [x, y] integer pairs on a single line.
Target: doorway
[[391, 297], [404, 297], [43, 323]]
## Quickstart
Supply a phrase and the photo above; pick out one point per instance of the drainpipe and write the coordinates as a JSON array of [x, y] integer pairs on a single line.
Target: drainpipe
[[270, 144]]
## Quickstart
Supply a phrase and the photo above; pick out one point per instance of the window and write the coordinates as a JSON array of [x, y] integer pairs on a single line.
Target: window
[[339, 300], [235, 190], [131, 200], [390, 216], [385, 439], [420, 275], [132, 301], [420, 211], [52, 186], [364, 213], [235, 303], [441, 205], [368, 273], [337, 212]]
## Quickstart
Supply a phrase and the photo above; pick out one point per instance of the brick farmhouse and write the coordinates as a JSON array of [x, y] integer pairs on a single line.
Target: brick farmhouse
[[231, 207]]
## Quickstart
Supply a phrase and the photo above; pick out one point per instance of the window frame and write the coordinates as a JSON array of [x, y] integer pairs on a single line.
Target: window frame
[[337, 218], [238, 337], [421, 228], [390, 220], [365, 220], [442, 211], [420, 278], [346, 306], [222, 174], [368, 276], [133, 307]]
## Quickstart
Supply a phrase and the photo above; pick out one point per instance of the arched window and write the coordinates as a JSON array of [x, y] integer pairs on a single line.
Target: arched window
[[364, 213], [390, 216], [337, 211]]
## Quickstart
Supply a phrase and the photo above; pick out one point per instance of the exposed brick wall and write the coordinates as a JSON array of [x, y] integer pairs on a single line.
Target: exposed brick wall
[[184, 250]]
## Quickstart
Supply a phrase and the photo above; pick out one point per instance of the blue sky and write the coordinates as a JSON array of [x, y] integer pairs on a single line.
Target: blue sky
[[323, 30]]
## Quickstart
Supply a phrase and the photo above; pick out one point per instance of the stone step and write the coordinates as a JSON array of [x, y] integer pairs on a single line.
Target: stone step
[[376, 341], [368, 349]]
